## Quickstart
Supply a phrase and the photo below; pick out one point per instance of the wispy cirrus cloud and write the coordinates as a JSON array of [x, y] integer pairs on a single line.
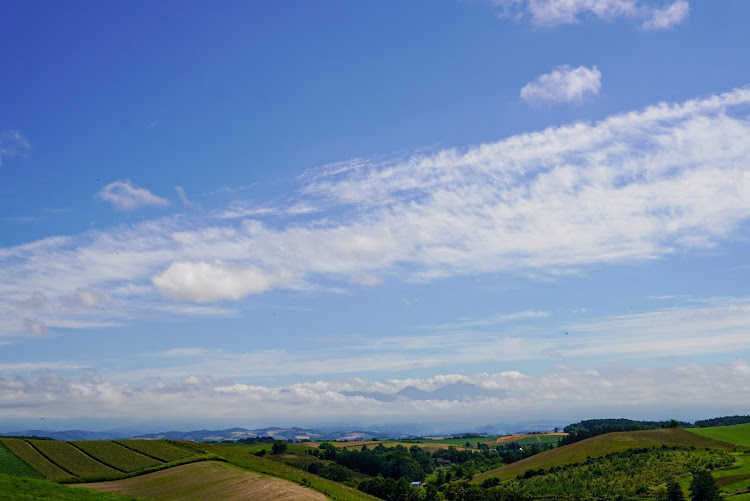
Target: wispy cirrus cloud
[[124, 195], [12, 143], [632, 187], [563, 84], [653, 15]]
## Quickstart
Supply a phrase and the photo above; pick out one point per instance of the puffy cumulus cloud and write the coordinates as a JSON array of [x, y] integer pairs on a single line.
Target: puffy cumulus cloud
[[563, 85], [124, 195], [12, 144], [655, 14], [203, 281], [566, 393]]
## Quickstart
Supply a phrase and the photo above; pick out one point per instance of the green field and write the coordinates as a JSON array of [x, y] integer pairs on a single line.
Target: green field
[[117, 456], [35, 459], [13, 488], [10, 464], [71, 459], [157, 449], [738, 434]]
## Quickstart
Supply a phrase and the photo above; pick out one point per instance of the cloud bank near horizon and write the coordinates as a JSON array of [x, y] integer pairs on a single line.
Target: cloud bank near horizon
[[509, 396]]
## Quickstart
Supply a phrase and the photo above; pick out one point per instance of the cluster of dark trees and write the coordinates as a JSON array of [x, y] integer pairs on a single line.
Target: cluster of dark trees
[[394, 468], [702, 488], [723, 421], [255, 440], [412, 464]]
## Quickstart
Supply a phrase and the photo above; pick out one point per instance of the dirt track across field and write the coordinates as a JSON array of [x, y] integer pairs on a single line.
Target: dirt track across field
[[513, 438], [208, 481]]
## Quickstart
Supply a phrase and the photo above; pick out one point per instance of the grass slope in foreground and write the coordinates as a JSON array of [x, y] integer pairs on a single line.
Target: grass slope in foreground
[[602, 445], [14, 488]]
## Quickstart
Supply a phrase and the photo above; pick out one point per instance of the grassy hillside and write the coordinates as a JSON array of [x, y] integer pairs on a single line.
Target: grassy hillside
[[738, 434], [110, 460], [13, 488], [603, 445]]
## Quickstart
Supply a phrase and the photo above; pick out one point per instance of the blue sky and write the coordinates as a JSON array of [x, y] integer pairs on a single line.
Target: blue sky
[[261, 213]]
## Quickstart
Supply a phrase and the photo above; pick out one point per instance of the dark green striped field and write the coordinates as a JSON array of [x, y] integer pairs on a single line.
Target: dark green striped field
[[90, 460]]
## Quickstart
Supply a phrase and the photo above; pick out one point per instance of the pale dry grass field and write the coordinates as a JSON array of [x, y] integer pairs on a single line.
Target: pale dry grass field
[[207, 481]]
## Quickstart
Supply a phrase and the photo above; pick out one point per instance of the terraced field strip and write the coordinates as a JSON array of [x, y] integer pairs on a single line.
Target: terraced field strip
[[72, 459], [32, 457], [208, 481], [157, 449], [115, 455], [11, 464]]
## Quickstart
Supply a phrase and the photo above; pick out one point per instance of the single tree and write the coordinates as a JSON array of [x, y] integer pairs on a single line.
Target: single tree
[[703, 487], [674, 491], [278, 446]]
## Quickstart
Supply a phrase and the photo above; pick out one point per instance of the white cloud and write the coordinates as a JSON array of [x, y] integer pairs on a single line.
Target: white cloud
[[12, 144], [667, 16], [563, 85], [87, 299], [212, 281], [35, 326], [124, 195], [184, 199], [566, 393], [656, 15]]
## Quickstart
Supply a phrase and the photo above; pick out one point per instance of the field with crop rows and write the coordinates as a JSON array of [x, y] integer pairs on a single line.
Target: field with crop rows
[[116, 455], [73, 460], [11, 465], [33, 458], [157, 449]]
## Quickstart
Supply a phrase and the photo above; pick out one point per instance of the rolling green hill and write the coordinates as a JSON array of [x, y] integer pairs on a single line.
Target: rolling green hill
[[603, 445]]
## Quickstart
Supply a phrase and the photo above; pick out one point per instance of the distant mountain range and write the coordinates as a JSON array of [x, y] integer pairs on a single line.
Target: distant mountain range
[[450, 392], [294, 433]]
